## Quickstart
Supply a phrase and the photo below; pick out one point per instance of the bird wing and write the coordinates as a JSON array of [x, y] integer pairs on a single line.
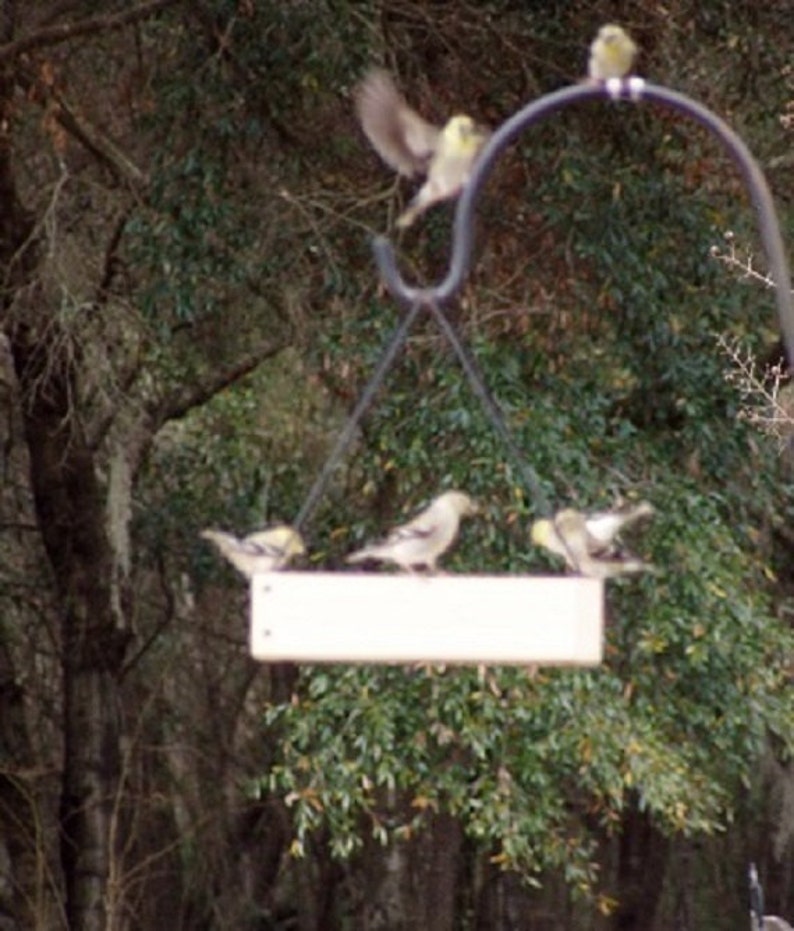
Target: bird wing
[[570, 530], [604, 526], [259, 544], [398, 544], [420, 528], [402, 138], [224, 541]]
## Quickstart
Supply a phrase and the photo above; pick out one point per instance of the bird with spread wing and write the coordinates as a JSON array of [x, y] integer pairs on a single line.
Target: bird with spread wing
[[412, 146], [588, 542]]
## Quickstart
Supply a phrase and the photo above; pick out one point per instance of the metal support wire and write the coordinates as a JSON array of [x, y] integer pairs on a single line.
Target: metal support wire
[[471, 369], [633, 89], [393, 346], [492, 409]]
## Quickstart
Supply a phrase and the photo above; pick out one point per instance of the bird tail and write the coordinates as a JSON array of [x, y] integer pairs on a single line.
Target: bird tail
[[407, 217], [633, 566], [613, 568], [360, 556], [226, 542], [643, 509]]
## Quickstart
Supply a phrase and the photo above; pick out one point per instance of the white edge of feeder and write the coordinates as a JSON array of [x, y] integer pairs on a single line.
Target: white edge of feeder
[[354, 617]]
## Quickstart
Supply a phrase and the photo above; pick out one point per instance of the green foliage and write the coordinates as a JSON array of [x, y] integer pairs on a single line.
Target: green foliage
[[173, 242]]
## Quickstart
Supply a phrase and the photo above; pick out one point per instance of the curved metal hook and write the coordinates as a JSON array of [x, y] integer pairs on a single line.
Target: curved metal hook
[[629, 89]]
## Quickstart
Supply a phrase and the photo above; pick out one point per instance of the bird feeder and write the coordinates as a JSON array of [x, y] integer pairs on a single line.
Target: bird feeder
[[355, 617], [379, 617]]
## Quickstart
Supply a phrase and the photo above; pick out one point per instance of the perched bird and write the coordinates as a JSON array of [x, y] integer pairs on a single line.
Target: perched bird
[[264, 551], [612, 54], [587, 543], [412, 146], [420, 542]]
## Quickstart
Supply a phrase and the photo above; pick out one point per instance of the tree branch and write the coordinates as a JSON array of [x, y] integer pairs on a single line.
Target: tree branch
[[180, 401], [54, 35], [190, 395], [98, 143]]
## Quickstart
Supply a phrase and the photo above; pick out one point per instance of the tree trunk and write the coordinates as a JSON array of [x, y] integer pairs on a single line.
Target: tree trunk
[[642, 861], [23, 901], [413, 884], [71, 515]]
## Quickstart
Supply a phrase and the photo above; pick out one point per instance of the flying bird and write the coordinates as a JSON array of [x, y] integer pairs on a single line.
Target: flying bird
[[412, 146], [612, 54], [420, 542], [263, 551], [588, 543]]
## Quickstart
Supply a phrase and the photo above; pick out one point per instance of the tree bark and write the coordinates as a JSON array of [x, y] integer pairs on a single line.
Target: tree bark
[[642, 863], [71, 515], [413, 884]]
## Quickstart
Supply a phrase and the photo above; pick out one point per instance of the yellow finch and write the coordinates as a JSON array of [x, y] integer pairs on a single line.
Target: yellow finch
[[264, 551], [587, 543], [612, 54], [412, 146], [420, 542]]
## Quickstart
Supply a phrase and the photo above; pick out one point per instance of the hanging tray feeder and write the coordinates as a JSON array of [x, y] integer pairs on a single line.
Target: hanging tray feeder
[[558, 620]]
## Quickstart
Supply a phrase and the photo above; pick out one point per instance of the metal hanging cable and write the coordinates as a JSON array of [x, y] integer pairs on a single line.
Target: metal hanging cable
[[492, 409], [344, 439]]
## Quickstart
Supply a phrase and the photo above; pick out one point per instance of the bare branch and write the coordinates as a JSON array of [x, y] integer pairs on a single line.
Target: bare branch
[[97, 143], [177, 402], [766, 402], [54, 35], [732, 259], [194, 394], [111, 260]]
